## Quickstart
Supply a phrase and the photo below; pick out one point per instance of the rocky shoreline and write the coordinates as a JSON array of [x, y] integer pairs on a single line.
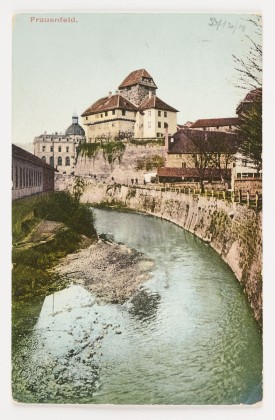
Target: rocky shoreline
[[113, 272]]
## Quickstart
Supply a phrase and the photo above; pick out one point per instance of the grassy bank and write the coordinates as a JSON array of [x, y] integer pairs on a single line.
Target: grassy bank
[[33, 261]]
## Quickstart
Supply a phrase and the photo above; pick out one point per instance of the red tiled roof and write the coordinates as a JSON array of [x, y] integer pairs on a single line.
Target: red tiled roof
[[135, 78], [155, 102], [23, 154], [214, 122], [254, 95], [189, 141], [186, 125], [192, 172], [109, 103]]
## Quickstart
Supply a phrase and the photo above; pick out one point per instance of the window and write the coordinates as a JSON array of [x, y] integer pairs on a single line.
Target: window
[[149, 113], [183, 165], [149, 124], [43, 148], [67, 149], [86, 118], [43, 158], [106, 113], [67, 161], [51, 161], [113, 111], [16, 177], [159, 124], [123, 112], [101, 115], [51, 148], [159, 113], [165, 113], [20, 178], [59, 161]]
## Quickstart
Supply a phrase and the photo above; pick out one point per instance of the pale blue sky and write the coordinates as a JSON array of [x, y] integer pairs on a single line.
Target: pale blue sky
[[59, 68]]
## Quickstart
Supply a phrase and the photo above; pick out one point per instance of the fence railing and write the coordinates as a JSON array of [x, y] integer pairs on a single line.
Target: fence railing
[[253, 200], [249, 198]]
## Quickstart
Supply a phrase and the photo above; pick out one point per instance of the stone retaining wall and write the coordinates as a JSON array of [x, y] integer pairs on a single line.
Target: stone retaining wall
[[234, 231]]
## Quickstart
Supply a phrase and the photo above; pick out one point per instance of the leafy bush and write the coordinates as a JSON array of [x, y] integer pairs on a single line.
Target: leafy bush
[[61, 207]]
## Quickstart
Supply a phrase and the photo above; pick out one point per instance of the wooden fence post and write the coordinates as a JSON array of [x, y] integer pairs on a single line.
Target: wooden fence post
[[257, 199], [247, 198], [240, 196]]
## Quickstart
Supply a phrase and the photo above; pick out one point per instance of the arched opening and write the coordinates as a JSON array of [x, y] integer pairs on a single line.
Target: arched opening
[[59, 161], [67, 161]]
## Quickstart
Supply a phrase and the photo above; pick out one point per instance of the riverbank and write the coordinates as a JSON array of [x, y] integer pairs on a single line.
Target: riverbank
[[113, 272], [45, 229], [232, 230]]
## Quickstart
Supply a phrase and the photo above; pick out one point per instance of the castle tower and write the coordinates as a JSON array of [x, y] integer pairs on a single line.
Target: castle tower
[[137, 86]]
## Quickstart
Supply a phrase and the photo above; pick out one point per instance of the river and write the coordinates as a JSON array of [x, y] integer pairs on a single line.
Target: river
[[187, 337]]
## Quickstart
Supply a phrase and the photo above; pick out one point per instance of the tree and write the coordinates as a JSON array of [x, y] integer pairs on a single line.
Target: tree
[[249, 76], [249, 67], [250, 132], [225, 146], [203, 154]]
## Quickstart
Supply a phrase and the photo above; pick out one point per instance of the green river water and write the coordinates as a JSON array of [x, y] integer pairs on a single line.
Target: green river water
[[187, 337]]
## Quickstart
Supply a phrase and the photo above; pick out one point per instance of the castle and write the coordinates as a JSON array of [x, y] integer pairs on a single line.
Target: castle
[[134, 111]]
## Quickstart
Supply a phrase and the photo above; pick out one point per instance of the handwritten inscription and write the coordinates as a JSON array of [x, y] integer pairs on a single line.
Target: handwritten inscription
[[225, 24]]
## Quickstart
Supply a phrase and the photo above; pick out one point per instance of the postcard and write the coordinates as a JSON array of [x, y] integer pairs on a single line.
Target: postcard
[[137, 209]]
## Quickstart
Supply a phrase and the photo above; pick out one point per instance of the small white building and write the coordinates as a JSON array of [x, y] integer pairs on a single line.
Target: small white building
[[60, 150]]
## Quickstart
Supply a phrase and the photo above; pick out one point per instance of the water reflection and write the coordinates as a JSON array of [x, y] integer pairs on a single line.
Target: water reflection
[[62, 360], [187, 337]]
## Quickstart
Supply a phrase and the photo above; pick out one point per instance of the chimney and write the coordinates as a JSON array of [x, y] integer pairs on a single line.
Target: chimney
[[150, 94], [110, 94]]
